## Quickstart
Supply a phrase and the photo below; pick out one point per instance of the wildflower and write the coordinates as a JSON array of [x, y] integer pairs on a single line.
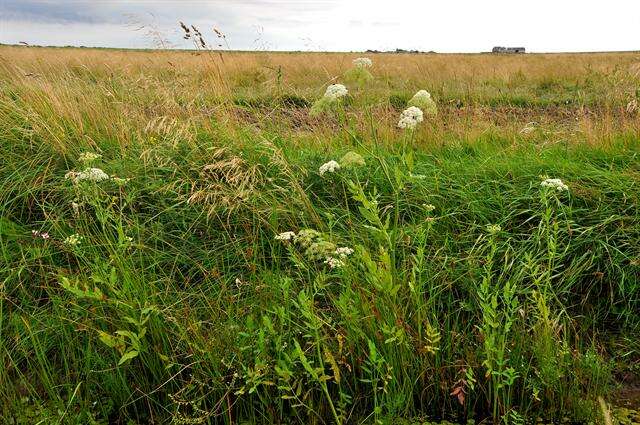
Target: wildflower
[[352, 159], [331, 96], [76, 208], [556, 184], [417, 176], [335, 92], [88, 157], [320, 249], [428, 207], [363, 62], [493, 229], [39, 234], [285, 236], [306, 237], [329, 167], [343, 252], [73, 240], [423, 100], [91, 174], [410, 118], [333, 262]]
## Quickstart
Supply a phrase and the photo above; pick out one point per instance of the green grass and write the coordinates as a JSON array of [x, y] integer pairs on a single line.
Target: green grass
[[504, 300]]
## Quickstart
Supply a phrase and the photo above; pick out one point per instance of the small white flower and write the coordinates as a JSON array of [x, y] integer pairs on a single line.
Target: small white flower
[[363, 62], [556, 184], [344, 251], [89, 156], [73, 240], [333, 262], [329, 167], [410, 118], [39, 234], [335, 92], [285, 236], [429, 207]]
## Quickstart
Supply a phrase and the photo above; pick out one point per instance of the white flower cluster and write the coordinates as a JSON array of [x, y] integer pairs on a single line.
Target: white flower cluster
[[363, 62], [352, 159], [337, 260], [90, 174], [344, 251], [556, 184], [286, 236], [73, 240], [422, 99], [329, 167], [89, 156], [316, 247], [334, 263], [335, 92], [421, 96], [410, 118]]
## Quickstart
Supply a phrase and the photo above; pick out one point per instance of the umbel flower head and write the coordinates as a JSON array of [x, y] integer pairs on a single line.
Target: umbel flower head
[[359, 74], [352, 159], [335, 92], [332, 95], [89, 174], [410, 118], [555, 184], [316, 248], [422, 99], [363, 63], [285, 236], [329, 167]]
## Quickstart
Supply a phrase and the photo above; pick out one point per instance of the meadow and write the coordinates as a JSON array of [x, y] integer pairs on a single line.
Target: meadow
[[207, 237]]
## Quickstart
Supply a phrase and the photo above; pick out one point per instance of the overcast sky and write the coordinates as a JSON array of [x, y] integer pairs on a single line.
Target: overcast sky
[[336, 25]]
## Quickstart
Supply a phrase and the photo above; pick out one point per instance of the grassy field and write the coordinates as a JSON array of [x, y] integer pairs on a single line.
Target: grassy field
[[177, 247]]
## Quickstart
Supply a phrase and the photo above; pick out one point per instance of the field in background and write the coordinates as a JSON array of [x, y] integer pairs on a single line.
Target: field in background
[[472, 292]]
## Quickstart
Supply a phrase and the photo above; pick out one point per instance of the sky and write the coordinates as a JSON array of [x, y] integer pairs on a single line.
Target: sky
[[329, 25]]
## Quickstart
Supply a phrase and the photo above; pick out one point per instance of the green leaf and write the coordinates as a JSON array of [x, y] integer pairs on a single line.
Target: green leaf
[[128, 356]]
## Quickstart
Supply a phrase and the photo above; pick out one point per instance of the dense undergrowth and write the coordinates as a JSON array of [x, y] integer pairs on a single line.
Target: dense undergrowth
[[468, 290]]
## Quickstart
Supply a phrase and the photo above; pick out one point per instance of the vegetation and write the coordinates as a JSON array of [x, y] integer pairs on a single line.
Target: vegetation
[[178, 247]]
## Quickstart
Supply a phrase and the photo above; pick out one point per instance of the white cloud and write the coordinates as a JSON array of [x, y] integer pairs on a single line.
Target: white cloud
[[455, 25]]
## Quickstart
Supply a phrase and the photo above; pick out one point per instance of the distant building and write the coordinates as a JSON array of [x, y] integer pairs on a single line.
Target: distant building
[[500, 49]]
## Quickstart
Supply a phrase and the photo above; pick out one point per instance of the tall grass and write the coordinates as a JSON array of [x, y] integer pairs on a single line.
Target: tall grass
[[504, 300]]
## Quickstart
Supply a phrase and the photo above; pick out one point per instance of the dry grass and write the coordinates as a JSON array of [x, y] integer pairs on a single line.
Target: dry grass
[[133, 95]]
